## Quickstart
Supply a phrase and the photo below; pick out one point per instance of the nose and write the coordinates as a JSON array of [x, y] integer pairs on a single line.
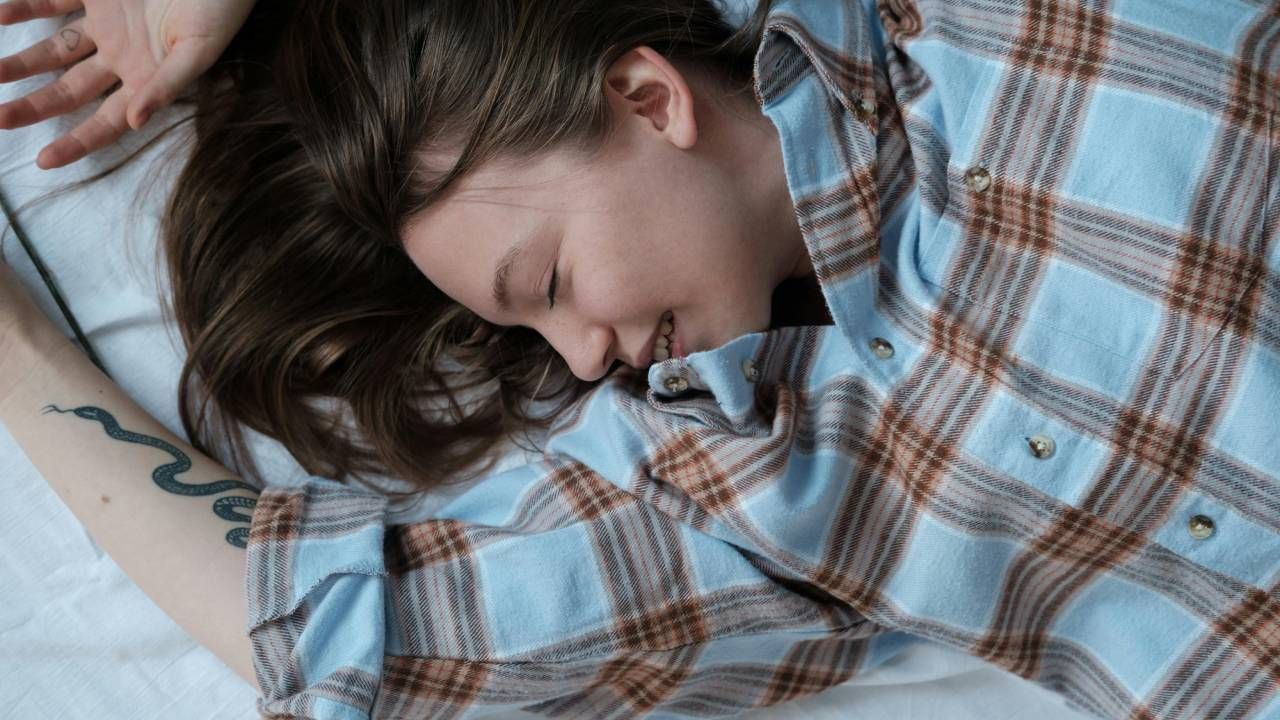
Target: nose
[[588, 349]]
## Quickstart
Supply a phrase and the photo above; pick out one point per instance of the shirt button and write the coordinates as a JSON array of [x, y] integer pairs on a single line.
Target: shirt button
[[881, 348], [750, 371], [977, 178], [1041, 446], [1200, 527], [865, 109], [675, 384]]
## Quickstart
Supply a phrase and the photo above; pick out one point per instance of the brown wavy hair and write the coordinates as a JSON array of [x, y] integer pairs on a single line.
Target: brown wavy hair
[[302, 315]]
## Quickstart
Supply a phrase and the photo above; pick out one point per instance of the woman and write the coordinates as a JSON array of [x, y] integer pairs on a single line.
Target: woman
[[1024, 437], [334, 299]]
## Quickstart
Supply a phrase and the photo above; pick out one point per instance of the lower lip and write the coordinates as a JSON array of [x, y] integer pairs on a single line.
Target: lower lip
[[677, 347]]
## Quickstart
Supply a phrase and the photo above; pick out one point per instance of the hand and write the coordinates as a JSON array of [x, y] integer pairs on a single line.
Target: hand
[[154, 49]]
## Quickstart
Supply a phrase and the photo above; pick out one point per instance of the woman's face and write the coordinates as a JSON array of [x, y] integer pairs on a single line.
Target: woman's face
[[686, 210]]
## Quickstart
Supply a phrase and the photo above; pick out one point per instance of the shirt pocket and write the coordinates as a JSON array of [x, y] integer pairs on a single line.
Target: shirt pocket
[[1144, 251]]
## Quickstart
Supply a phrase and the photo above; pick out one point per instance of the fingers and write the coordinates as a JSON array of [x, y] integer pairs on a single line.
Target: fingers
[[67, 46], [18, 11], [85, 81], [180, 67], [103, 128]]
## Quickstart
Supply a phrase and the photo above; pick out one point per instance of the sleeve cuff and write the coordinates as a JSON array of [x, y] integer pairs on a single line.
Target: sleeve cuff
[[316, 588]]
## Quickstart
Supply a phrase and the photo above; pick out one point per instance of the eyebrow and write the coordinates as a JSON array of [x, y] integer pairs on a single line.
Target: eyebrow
[[501, 292]]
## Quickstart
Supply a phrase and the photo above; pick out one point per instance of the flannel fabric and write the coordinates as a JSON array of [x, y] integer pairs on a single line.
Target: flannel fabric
[[1045, 428]]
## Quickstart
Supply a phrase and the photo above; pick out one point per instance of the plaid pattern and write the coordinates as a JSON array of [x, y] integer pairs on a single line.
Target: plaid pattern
[[1061, 217]]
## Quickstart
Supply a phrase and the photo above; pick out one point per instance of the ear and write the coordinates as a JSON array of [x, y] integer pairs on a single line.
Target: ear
[[644, 84]]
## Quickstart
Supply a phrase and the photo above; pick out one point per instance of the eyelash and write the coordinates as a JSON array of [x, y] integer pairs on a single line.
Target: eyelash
[[551, 289]]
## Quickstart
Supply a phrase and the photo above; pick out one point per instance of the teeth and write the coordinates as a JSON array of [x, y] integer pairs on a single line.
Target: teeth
[[662, 346]]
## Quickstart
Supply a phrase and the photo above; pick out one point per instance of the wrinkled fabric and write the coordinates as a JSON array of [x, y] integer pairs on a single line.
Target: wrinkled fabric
[[1043, 429]]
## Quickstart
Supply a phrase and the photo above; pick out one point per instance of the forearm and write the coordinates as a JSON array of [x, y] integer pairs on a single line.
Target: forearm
[[130, 483]]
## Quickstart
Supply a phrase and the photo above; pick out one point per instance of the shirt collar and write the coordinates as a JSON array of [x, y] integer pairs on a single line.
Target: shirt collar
[[839, 43], [816, 68]]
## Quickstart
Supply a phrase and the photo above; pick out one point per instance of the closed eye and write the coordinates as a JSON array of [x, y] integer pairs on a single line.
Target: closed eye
[[551, 289]]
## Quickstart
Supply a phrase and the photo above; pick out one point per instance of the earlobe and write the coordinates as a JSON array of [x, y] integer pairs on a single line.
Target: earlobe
[[651, 87]]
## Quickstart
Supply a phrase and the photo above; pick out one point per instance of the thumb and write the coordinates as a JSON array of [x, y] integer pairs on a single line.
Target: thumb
[[184, 63]]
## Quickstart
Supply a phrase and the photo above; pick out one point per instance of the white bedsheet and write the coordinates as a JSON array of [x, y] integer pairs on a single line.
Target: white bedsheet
[[78, 639]]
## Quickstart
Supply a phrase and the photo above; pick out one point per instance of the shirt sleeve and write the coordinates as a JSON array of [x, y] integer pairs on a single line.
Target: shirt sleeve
[[316, 583], [546, 588]]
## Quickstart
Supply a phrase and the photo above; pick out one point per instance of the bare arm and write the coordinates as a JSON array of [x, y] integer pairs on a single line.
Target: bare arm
[[136, 489]]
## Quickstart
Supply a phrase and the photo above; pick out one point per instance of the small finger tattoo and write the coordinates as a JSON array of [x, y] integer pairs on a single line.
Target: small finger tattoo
[[71, 37]]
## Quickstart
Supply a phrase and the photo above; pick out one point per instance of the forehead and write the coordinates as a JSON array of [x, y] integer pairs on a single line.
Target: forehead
[[493, 196]]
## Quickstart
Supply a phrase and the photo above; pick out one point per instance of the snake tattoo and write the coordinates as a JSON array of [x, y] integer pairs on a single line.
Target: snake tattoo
[[233, 509]]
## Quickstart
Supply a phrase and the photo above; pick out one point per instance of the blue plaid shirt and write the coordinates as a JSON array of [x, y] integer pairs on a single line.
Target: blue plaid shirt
[[1044, 429]]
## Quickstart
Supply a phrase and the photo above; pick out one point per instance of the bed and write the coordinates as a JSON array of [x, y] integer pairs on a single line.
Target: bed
[[77, 638]]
